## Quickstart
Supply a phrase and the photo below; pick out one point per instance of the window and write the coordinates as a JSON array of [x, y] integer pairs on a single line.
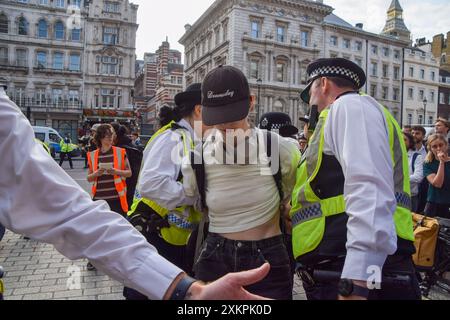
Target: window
[[281, 33], [60, 3], [433, 75], [21, 57], [119, 97], [385, 93], [374, 49], [441, 98], [54, 137], [57, 96], [305, 38], [385, 52], [225, 31], [23, 26], [76, 3], [334, 41], [40, 97], [385, 70], [108, 97], [374, 69], [254, 69], [395, 94], [397, 54], [396, 73], [74, 97], [76, 35], [110, 35], [42, 29], [43, 2], [281, 68], [4, 60], [346, 43], [410, 93], [74, 62], [59, 31], [432, 96], [430, 120], [41, 59], [109, 65], [358, 46], [422, 74], [421, 95], [58, 61], [373, 90], [3, 23], [217, 35], [411, 72], [420, 119], [40, 136], [409, 119], [112, 7], [256, 29]]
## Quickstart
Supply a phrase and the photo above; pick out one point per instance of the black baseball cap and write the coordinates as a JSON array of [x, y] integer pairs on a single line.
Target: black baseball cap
[[278, 121], [225, 96]]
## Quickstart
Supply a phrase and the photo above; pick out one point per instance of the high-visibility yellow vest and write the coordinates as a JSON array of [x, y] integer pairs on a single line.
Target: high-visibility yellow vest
[[46, 147], [66, 147], [310, 211], [181, 226]]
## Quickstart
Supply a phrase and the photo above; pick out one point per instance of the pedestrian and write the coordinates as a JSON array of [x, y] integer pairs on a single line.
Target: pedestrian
[[66, 149], [134, 156], [441, 126], [136, 139], [437, 171], [84, 141], [303, 142], [351, 204], [245, 192], [419, 134], [54, 209], [159, 194], [407, 129], [415, 161]]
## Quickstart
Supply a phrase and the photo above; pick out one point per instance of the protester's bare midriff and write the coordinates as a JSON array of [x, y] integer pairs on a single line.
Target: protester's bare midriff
[[267, 230]]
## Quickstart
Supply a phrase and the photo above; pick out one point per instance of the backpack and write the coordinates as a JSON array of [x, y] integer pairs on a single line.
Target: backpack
[[199, 235]]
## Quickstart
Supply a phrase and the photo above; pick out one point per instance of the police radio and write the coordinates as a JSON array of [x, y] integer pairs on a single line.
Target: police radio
[[313, 118]]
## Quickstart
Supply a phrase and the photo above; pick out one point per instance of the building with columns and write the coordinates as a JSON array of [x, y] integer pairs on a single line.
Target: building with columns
[[272, 42], [68, 62], [41, 57], [110, 58]]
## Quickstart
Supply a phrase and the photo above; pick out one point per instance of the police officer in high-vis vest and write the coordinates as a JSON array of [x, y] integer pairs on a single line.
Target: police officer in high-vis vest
[[352, 226], [161, 210]]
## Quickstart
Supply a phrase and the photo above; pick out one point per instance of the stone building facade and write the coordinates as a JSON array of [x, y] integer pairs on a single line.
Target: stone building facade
[[271, 41], [441, 50]]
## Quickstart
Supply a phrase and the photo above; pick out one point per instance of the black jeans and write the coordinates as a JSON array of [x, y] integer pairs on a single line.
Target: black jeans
[[220, 256], [175, 254], [394, 265], [62, 155]]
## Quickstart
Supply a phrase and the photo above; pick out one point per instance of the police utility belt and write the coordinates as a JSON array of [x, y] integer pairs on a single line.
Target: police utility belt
[[147, 221]]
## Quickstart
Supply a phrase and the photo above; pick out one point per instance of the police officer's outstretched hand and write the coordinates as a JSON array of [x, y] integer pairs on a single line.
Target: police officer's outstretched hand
[[230, 287]]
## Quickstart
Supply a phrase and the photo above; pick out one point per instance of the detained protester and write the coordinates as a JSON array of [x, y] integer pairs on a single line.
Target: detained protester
[[415, 166], [351, 204], [49, 206], [437, 171], [241, 193], [160, 207]]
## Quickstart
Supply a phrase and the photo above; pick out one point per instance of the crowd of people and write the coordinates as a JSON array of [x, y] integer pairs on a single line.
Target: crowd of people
[[216, 195]]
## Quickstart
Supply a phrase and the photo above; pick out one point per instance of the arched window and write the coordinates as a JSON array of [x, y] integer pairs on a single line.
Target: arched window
[[42, 29], [278, 106], [59, 31], [3, 23], [23, 26]]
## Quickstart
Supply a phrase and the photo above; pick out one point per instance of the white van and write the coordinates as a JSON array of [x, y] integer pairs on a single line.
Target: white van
[[49, 136]]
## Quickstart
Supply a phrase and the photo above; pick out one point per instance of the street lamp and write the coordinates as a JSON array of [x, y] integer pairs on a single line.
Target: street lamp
[[259, 82], [425, 110]]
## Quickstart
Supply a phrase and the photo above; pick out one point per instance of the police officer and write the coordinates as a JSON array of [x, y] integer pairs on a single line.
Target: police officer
[[66, 149], [47, 205], [352, 226], [159, 192]]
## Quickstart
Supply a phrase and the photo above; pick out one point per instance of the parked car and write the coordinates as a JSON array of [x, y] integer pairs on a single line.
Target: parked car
[[52, 138]]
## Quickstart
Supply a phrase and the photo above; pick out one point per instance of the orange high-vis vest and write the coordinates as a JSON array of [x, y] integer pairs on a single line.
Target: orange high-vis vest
[[119, 182]]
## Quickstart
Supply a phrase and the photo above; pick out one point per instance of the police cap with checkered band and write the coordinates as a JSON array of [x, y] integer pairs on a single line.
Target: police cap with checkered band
[[336, 68]]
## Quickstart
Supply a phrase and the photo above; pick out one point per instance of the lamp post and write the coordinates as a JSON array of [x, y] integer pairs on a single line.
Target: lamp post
[[425, 111], [259, 82]]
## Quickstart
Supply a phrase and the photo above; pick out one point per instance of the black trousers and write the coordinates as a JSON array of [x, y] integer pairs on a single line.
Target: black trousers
[[437, 210], [62, 155], [399, 265], [175, 254]]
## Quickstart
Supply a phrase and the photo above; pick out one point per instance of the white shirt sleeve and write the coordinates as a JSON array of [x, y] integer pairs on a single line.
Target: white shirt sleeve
[[159, 174], [356, 134], [417, 176], [38, 199]]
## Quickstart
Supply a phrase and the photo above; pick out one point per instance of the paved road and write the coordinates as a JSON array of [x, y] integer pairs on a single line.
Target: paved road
[[36, 271]]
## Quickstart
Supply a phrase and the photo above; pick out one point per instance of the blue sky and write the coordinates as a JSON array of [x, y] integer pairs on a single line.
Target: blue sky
[[158, 19]]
